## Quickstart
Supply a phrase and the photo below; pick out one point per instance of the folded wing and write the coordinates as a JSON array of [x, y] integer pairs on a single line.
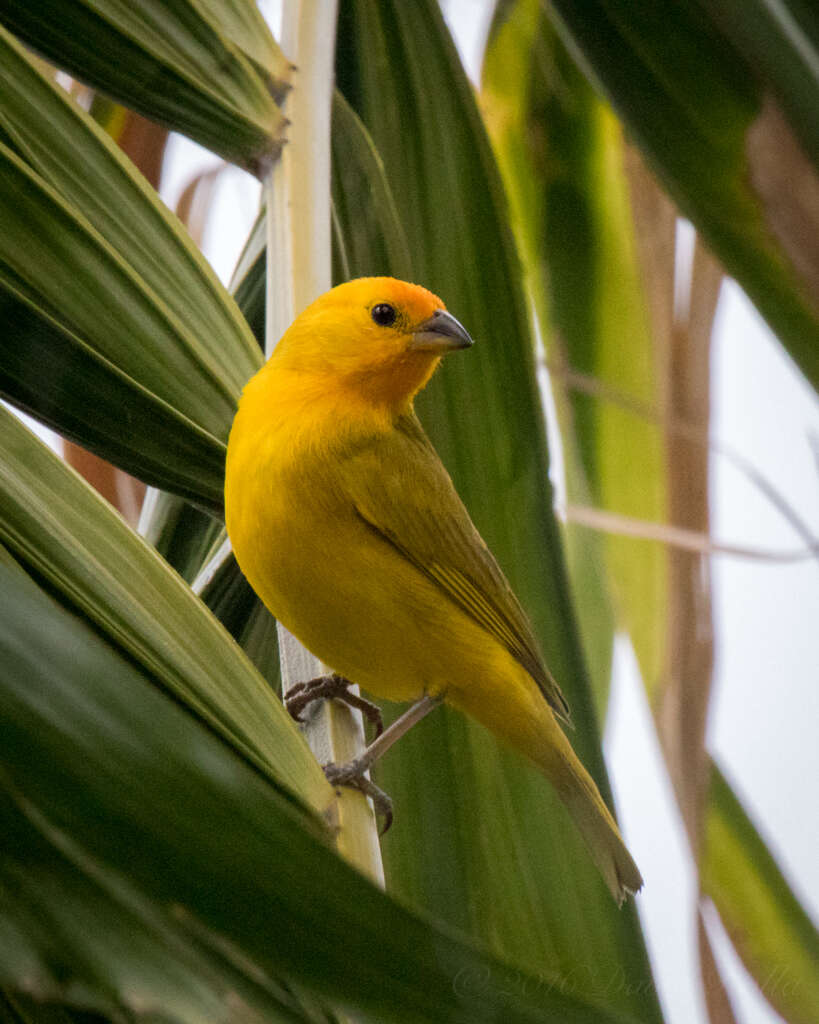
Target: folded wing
[[402, 492]]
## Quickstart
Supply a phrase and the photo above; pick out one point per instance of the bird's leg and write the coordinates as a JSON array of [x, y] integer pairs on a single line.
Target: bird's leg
[[348, 775], [352, 773], [325, 687]]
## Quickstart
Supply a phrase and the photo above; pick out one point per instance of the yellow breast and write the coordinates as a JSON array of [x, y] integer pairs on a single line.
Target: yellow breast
[[350, 598]]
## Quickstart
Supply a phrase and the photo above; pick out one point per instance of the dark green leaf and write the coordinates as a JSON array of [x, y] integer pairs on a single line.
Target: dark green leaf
[[705, 119], [484, 843], [18, 1008], [53, 523], [561, 154], [111, 793], [248, 282], [563, 158], [369, 239], [207, 70], [50, 373], [183, 534], [98, 279], [234, 603], [781, 42]]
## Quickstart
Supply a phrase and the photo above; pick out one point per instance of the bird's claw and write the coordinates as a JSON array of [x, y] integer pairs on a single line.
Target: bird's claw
[[336, 687], [352, 774]]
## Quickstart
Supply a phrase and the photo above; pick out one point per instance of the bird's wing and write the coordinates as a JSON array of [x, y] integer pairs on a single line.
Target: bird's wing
[[402, 492]]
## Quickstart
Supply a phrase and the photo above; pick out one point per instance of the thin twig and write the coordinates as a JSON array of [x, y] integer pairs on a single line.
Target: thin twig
[[674, 536], [589, 385]]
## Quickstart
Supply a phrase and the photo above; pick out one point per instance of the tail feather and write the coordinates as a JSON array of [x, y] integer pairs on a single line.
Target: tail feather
[[520, 715], [550, 749], [599, 830]]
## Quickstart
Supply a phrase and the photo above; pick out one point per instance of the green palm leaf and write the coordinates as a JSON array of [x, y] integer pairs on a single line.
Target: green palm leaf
[[563, 163], [99, 281], [211, 71], [67, 535], [115, 795], [486, 846], [709, 123]]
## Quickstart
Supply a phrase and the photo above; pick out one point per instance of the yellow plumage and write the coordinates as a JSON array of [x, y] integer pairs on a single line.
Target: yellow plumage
[[347, 525]]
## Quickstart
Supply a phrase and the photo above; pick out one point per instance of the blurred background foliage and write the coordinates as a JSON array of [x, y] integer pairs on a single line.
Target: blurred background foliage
[[165, 854]]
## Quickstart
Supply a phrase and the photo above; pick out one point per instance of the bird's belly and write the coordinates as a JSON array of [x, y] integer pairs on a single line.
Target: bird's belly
[[355, 602]]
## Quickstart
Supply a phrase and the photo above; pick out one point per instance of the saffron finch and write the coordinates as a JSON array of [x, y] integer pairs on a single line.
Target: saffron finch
[[345, 522]]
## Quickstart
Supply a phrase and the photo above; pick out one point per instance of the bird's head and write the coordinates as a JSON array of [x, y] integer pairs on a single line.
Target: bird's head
[[376, 338]]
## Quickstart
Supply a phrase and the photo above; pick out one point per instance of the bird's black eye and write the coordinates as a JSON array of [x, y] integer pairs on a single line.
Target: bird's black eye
[[383, 314]]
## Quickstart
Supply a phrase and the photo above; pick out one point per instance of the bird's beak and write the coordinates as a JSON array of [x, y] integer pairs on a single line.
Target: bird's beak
[[440, 333]]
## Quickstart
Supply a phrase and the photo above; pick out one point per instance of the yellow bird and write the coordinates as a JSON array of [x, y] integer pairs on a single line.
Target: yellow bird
[[345, 522]]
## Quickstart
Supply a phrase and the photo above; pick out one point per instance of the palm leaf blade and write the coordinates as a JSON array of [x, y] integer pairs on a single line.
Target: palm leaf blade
[[496, 823], [207, 70], [112, 778]]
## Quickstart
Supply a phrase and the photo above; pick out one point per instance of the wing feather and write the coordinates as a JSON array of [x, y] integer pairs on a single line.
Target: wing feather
[[401, 490]]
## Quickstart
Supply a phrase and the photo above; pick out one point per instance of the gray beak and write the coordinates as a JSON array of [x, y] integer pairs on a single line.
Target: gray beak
[[441, 333]]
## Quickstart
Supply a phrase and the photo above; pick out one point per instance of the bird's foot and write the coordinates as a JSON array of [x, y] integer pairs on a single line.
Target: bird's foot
[[336, 687], [352, 774]]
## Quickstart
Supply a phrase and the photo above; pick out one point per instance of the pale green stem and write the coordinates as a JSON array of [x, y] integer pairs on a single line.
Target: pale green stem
[[297, 193]]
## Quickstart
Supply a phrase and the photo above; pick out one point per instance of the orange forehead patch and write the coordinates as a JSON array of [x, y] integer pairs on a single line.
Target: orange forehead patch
[[414, 299]]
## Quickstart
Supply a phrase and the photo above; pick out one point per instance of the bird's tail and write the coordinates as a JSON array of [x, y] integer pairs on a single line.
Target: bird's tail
[[578, 791], [524, 719]]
